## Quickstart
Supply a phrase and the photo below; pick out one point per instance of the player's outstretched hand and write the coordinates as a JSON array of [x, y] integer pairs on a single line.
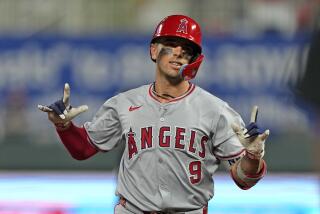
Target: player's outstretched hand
[[251, 137], [61, 112]]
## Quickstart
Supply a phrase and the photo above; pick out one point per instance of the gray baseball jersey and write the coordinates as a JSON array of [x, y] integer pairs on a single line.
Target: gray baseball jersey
[[172, 149]]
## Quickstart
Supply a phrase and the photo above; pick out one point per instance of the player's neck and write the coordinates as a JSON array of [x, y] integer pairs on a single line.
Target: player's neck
[[167, 91]]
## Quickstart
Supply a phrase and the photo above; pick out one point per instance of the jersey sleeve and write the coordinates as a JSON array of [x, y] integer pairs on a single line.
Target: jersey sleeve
[[227, 146], [105, 128]]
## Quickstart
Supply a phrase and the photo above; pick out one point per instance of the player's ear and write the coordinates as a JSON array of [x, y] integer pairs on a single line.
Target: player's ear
[[154, 51]]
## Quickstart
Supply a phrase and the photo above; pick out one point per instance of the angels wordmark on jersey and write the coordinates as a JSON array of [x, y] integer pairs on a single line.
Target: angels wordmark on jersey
[[167, 137]]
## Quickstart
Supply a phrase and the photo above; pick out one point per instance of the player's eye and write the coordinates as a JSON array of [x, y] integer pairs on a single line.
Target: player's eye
[[188, 51], [187, 55]]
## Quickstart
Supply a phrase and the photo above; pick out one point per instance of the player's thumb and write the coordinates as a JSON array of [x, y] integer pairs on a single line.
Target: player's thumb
[[265, 135], [75, 111], [236, 128]]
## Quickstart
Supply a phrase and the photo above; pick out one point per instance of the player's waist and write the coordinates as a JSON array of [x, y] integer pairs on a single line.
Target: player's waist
[[134, 209]]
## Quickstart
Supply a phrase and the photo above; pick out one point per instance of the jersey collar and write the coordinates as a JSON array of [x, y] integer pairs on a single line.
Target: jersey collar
[[155, 97]]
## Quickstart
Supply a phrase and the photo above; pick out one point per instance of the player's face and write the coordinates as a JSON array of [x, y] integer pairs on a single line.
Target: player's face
[[170, 55]]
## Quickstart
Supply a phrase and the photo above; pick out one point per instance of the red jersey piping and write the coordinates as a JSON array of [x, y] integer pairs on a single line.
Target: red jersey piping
[[190, 90]]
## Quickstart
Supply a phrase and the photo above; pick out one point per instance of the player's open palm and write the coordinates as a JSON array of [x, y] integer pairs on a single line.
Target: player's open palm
[[61, 112], [251, 137]]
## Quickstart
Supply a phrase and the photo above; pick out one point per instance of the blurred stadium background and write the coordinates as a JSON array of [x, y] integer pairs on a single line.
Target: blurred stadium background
[[255, 54]]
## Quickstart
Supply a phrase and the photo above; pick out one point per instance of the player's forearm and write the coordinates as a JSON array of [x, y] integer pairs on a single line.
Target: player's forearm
[[76, 140]]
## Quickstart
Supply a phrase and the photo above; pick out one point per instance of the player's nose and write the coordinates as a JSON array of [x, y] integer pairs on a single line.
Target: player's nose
[[177, 51]]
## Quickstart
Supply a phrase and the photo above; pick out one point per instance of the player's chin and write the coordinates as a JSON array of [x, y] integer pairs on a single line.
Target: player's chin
[[173, 73], [174, 77]]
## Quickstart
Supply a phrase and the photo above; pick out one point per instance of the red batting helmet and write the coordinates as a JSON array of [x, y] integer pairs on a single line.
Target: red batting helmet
[[179, 26], [183, 27]]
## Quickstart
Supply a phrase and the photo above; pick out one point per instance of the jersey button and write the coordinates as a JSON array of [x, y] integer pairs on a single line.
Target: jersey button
[[161, 119]]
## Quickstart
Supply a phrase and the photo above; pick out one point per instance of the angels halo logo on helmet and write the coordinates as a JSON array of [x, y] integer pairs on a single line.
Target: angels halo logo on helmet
[[184, 27]]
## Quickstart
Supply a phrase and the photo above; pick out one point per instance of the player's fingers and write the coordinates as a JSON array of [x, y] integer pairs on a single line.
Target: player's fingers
[[252, 130], [66, 94], [83, 108], [254, 114], [44, 108], [265, 135], [76, 111]]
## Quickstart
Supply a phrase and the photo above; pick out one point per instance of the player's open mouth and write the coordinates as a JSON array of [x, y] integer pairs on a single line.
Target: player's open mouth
[[176, 64]]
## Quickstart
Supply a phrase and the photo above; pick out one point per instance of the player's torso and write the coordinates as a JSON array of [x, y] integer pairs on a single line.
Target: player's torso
[[168, 153]]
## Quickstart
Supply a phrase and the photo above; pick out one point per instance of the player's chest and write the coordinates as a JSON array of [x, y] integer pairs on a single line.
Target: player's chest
[[157, 116], [174, 126], [171, 127]]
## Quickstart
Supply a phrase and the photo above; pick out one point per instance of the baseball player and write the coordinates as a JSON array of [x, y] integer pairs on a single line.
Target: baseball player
[[175, 133]]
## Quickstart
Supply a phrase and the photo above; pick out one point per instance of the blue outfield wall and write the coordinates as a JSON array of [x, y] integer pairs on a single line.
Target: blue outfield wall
[[241, 71]]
